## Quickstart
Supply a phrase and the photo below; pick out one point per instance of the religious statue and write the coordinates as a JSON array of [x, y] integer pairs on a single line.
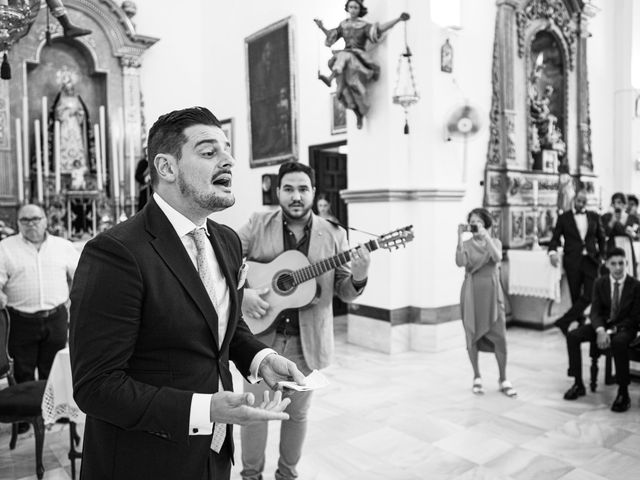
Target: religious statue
[[353, 68], [544, 132], [566, 190], [71, 112]]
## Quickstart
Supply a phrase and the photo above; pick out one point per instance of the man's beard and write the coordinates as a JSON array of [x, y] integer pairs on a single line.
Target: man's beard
[[304, 212], [207, 201]]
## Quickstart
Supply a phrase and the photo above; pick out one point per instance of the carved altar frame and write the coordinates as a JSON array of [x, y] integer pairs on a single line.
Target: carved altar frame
[[509, 178], [114, 49]]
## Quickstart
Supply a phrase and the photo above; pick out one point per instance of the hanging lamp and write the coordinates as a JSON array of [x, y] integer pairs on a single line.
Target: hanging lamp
[[405, 93], [16, 19]]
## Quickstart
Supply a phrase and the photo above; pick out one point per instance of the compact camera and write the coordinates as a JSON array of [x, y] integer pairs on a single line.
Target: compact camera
[[617, 210], [471, 228]]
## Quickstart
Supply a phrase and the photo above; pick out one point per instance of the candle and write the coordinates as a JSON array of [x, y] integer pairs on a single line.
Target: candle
[[535, 193], [38, 162], [115, 178], [98, 145], [25, 132], [56, 154], [132, 174], [103, 141], [45, 137], [19, 161]]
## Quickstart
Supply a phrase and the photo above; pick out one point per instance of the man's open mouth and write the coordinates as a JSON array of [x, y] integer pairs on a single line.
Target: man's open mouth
[[223, 180]]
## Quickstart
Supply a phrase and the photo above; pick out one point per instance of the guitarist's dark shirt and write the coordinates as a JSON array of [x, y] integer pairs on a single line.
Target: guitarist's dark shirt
[[287, 321]]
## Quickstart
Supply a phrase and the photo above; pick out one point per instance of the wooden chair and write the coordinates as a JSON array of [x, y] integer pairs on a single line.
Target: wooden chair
[[609, 377], [20, 402]]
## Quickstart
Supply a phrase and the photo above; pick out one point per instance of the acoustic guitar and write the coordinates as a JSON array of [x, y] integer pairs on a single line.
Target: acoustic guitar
[[290, 277]]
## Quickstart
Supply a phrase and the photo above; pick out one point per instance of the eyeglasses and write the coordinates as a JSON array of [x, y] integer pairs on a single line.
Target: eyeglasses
[[29, 220]]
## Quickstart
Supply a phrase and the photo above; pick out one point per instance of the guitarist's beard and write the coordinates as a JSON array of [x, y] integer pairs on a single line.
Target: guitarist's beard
[[301, 212]]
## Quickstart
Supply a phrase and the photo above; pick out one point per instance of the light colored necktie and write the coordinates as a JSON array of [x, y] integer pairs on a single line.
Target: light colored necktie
[[204, 270]]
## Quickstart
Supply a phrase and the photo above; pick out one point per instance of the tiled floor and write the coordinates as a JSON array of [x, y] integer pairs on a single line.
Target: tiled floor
[[412, 416]]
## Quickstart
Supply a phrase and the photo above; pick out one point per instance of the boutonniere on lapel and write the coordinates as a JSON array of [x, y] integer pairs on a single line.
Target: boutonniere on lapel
[[242, 275]]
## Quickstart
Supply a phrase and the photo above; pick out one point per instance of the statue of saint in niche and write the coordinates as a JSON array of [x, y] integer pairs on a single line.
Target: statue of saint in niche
[[544, 132], [71, 112]]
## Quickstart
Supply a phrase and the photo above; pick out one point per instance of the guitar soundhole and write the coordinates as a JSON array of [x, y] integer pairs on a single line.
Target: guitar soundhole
[[283, 282]]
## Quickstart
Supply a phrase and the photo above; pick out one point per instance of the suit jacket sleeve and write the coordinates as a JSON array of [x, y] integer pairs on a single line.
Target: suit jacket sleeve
[[599, 309], [342, 285], [558, 232], [106, 308], [632, 320]]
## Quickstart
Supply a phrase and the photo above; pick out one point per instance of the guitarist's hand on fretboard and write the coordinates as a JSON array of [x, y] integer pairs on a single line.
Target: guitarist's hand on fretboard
[[360, 261], [252, 304]]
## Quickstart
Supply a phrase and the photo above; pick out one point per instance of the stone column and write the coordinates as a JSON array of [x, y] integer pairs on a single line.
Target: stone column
[[133, 133]]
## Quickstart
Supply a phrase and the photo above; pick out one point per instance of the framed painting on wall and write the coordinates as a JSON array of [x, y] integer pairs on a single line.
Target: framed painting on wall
[[227, 128], [338, 116], [271, 95]]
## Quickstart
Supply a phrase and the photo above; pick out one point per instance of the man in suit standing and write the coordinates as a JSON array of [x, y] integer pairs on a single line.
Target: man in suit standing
[[155, 319], [305, 335], [584, 246], [615, 317]]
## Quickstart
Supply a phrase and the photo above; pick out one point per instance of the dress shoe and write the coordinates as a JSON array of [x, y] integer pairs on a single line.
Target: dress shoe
[[23, 427], [574, 392], [621, 403]]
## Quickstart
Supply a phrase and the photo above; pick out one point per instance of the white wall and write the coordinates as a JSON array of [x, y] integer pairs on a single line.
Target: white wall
[[200, 60]]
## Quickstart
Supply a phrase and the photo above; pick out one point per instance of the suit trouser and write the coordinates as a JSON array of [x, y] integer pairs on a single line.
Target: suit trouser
[[34, 342], [619, 348], [580, 278], [292, 432], [219, 465]]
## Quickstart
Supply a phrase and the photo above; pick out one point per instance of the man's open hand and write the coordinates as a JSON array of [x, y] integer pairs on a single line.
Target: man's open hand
[[238, 408]]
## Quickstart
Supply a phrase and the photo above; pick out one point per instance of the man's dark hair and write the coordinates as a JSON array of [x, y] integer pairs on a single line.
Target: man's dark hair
[[615, 252], [167, 134], [484, 215], [619, 196], [631, 198], [291, 167]]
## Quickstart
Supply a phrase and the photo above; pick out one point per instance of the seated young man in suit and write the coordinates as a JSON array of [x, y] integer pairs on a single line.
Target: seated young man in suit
[[615, 316]]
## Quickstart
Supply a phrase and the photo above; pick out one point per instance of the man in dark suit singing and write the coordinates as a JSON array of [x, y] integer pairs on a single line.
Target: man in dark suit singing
[[155, 319], [615, 318], [584, 246]]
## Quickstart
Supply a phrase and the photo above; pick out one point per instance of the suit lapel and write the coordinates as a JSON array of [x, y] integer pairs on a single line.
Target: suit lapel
[[223, 257], [170, 248], [624, 294], [574, 225]]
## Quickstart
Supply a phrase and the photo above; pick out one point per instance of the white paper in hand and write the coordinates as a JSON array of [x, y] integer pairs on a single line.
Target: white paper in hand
[[314, 380]]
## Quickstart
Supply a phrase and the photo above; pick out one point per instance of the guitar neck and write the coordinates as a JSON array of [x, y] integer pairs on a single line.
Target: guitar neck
[[323, 266]]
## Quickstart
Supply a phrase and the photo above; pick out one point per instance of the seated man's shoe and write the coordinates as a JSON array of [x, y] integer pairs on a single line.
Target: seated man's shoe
[[574, 392], [621, 403], [23, 427]]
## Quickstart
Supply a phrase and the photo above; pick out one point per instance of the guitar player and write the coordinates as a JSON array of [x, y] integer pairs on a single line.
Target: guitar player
[[304, 335]]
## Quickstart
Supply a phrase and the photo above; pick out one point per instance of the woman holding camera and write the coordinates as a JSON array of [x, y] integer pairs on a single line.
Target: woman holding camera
[[621, 229], [481, 299]]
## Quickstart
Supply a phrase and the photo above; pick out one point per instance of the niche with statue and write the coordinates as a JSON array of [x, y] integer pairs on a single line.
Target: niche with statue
[[540, 139], [76, 129]]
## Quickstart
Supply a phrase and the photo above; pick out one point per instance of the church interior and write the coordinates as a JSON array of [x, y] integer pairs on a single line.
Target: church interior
[[513, 106]]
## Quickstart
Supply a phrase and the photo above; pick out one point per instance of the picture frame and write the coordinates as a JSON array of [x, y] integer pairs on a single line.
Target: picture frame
[[338, 115], [227, 128], [272, 99]]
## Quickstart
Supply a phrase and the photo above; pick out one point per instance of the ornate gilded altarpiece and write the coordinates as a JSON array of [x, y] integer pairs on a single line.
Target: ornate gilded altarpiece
[[106, 68], [539, 119]]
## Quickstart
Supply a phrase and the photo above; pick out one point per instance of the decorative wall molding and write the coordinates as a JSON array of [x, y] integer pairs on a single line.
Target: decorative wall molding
[[442, 194]]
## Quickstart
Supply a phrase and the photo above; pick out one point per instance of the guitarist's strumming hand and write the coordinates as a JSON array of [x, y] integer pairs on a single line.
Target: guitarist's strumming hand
[[252, 303], [360, 261], [275, 368]]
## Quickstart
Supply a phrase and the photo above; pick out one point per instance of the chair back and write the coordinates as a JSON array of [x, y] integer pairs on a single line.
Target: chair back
[[4, 342]]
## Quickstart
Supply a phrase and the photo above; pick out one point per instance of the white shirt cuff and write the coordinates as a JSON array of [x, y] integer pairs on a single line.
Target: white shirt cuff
[[254, 376], [200, 414]]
